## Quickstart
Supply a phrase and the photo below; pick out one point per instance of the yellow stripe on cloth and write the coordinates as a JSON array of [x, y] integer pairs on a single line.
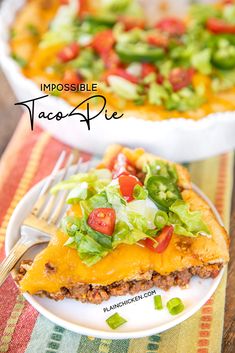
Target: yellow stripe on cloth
[[203, 331], [138, 345], [30, 170], [11, 323]]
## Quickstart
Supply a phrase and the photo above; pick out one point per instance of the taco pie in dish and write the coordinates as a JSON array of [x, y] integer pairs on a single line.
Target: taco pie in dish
[[134, 222], [174, 68]]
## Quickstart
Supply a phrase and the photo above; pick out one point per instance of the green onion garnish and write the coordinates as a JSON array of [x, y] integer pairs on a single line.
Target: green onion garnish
[[140, 193], [175, 306], [161, 219], [115, 321], [32, 30], [158, 302]]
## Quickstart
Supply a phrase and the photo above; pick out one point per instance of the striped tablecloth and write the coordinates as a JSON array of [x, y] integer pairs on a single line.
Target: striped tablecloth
[[30, 157]]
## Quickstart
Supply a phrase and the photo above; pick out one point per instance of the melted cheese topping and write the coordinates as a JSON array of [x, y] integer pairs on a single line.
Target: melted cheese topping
[[124, 263]]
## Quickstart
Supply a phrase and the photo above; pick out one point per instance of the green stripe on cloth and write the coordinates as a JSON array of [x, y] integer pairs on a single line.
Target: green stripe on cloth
[[88, 345], [119, 346], [40, 335], [70, 342], [48, 337], [55, 339], [153, 345]]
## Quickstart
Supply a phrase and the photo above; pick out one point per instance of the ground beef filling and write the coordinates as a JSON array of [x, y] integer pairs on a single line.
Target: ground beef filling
[[97, 293]]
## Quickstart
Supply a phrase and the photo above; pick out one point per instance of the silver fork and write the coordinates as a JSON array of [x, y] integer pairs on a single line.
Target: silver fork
[[42, 222]]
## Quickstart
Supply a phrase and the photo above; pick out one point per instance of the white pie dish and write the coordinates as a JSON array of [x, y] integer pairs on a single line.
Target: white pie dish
[[175, 139], [89, 319]]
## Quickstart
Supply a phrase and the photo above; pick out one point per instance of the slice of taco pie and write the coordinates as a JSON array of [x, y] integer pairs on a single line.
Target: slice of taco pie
[[134, 222]]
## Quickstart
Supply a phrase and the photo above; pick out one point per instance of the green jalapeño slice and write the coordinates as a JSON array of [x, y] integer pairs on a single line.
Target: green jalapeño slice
[[162, 191]]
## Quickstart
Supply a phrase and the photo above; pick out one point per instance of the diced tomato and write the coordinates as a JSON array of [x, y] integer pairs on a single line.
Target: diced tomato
[[228, 2], [102, 220], [122, 73], [172, 26], [64, 2], [122, 166], [111, 59], [84, 7], [163, 240], [180, 77], [127, 184], [103, 42], [69, 52], [72, 77], [147, 69], [160, 79], [130, 22], [217, 26], [158, 40]]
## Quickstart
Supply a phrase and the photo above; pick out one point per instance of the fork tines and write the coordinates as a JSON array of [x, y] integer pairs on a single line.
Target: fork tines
[[49, 207]]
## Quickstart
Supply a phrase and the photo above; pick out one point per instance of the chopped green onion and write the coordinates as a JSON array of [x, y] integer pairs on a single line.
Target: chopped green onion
[[175, 306], [158, 302], [140, 193], [115, 321], [161, 219], [32, 30]]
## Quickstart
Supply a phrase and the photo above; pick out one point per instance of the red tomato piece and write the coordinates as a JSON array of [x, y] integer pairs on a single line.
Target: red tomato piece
[[172, 26], [127, 184], [163, 240], [103, 42], [122, 166], [83, 7], [72, 77], [111, 59], [102, 220], [69, 52], [180, 78], [130, 22], [160, 79], [158, 40], [217, 26], [147, 69]]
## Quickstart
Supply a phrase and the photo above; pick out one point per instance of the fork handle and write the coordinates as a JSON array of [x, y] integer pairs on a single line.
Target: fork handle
[[13, 257]]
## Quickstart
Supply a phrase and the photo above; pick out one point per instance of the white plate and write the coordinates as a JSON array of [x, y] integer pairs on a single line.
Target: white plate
[[175, 139], [89, 319]]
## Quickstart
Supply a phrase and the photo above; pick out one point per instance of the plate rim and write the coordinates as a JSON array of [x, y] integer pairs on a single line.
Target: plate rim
[[102, 333]]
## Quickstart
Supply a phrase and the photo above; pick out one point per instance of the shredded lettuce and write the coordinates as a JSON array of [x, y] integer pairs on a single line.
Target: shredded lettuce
[[123, 87], [80, 192], [90, 66], [62, 29], [157, 94], [124, 235], [202, 61], [135, 220], [96, 180], [189, 223]]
